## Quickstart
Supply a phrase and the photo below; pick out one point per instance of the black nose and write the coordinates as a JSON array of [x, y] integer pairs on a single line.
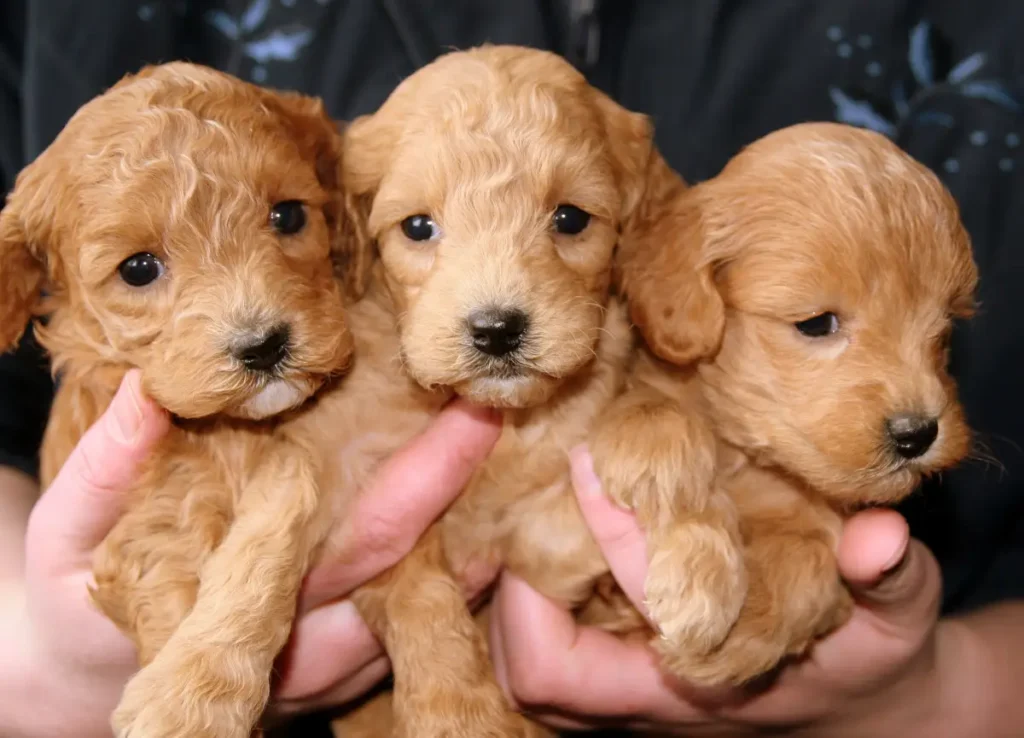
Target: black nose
[[912, 435], [266, 353], [497, 332]]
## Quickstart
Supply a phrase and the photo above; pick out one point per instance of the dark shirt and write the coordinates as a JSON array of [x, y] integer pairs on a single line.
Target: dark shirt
[[943, 78]]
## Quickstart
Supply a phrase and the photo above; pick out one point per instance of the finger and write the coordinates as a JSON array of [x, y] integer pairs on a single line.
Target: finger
[[497, 647], [84, 500], [890, 574], [341, 693], [409, 492], [616, 531], [549, 663], [329, 646]]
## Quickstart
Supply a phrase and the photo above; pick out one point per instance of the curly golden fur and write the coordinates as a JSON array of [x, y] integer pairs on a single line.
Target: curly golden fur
[[203, 568], [806, 295], [487, 146], [185, 164]]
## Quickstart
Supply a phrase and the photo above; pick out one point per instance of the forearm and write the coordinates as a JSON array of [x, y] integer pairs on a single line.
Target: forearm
[[982, 668]]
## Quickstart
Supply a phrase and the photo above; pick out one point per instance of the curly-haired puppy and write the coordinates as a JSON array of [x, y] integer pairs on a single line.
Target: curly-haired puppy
[[809, 290], [497, 183], [186, 224]]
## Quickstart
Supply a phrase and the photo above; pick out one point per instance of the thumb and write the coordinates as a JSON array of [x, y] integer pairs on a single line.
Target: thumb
[[890, 574], [407, 494], [616, 531], [85, 499]]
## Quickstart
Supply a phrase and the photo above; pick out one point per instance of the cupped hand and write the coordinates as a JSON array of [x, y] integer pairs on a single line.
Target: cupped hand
[[877, 675], [72, 656]]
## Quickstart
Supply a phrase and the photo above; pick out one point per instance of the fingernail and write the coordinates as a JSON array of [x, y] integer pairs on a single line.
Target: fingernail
[[127, 409], [897, 559], [583, 477]]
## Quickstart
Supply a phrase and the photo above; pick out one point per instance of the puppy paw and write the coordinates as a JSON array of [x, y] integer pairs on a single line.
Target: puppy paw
[[763, 638], [743, 657], [176, 699], [695, 588]]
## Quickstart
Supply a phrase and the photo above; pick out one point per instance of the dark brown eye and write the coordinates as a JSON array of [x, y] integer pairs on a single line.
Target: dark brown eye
[[819, 326], [570, 220], [138, 270], [288, 217], [420, 228]]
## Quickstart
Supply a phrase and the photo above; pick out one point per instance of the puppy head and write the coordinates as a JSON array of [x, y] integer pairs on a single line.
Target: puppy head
[[498, 180], [828, 268], [184, 223]]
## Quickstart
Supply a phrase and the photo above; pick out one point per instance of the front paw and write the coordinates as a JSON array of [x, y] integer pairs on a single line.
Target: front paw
[[169, 699], [695, 588], [764, 637]]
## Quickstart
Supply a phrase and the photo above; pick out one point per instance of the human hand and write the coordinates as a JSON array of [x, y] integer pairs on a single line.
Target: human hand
[[333, 657], [68, 655], [877, 675]]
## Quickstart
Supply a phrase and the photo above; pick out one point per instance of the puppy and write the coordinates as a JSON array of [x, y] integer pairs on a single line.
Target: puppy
[[808, 293], [188, 224], [497, 184]]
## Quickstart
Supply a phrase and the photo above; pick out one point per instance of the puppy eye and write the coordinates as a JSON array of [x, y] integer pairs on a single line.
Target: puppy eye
[[288, 217], [420, 228], [570, 220], [139, 270], [820, 325]]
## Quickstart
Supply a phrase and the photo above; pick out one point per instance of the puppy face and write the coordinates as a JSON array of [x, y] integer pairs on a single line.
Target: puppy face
[[829, 267], [498, 181], [184, 223]]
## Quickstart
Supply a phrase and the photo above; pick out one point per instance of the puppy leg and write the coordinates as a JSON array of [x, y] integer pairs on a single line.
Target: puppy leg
[[375, 717], [795, 597], [444, 681], [657, 458], [147, 568], [212, 678], [372, 719]]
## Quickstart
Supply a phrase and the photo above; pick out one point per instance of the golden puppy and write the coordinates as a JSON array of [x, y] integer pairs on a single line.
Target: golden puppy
[[810, 290], [497, 183], [184, 223]]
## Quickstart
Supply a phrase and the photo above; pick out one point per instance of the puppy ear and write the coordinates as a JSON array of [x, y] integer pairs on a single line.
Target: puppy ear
[[630, 138], [320, 139], [355, 253], [661, 265], [368, 145], [24, 229], [665, 267]]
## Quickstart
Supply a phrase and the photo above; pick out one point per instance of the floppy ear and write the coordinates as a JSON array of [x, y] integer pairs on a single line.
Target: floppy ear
[[630, 139], [668, 277], [660, 262], [369, 141], [320, 139], [25, 222]]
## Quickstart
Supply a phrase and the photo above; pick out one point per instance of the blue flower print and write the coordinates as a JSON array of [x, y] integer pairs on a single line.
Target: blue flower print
[[261, 44], [931, 72]]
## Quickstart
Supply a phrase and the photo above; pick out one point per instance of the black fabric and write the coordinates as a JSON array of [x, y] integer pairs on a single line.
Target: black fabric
[[944, 78]]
